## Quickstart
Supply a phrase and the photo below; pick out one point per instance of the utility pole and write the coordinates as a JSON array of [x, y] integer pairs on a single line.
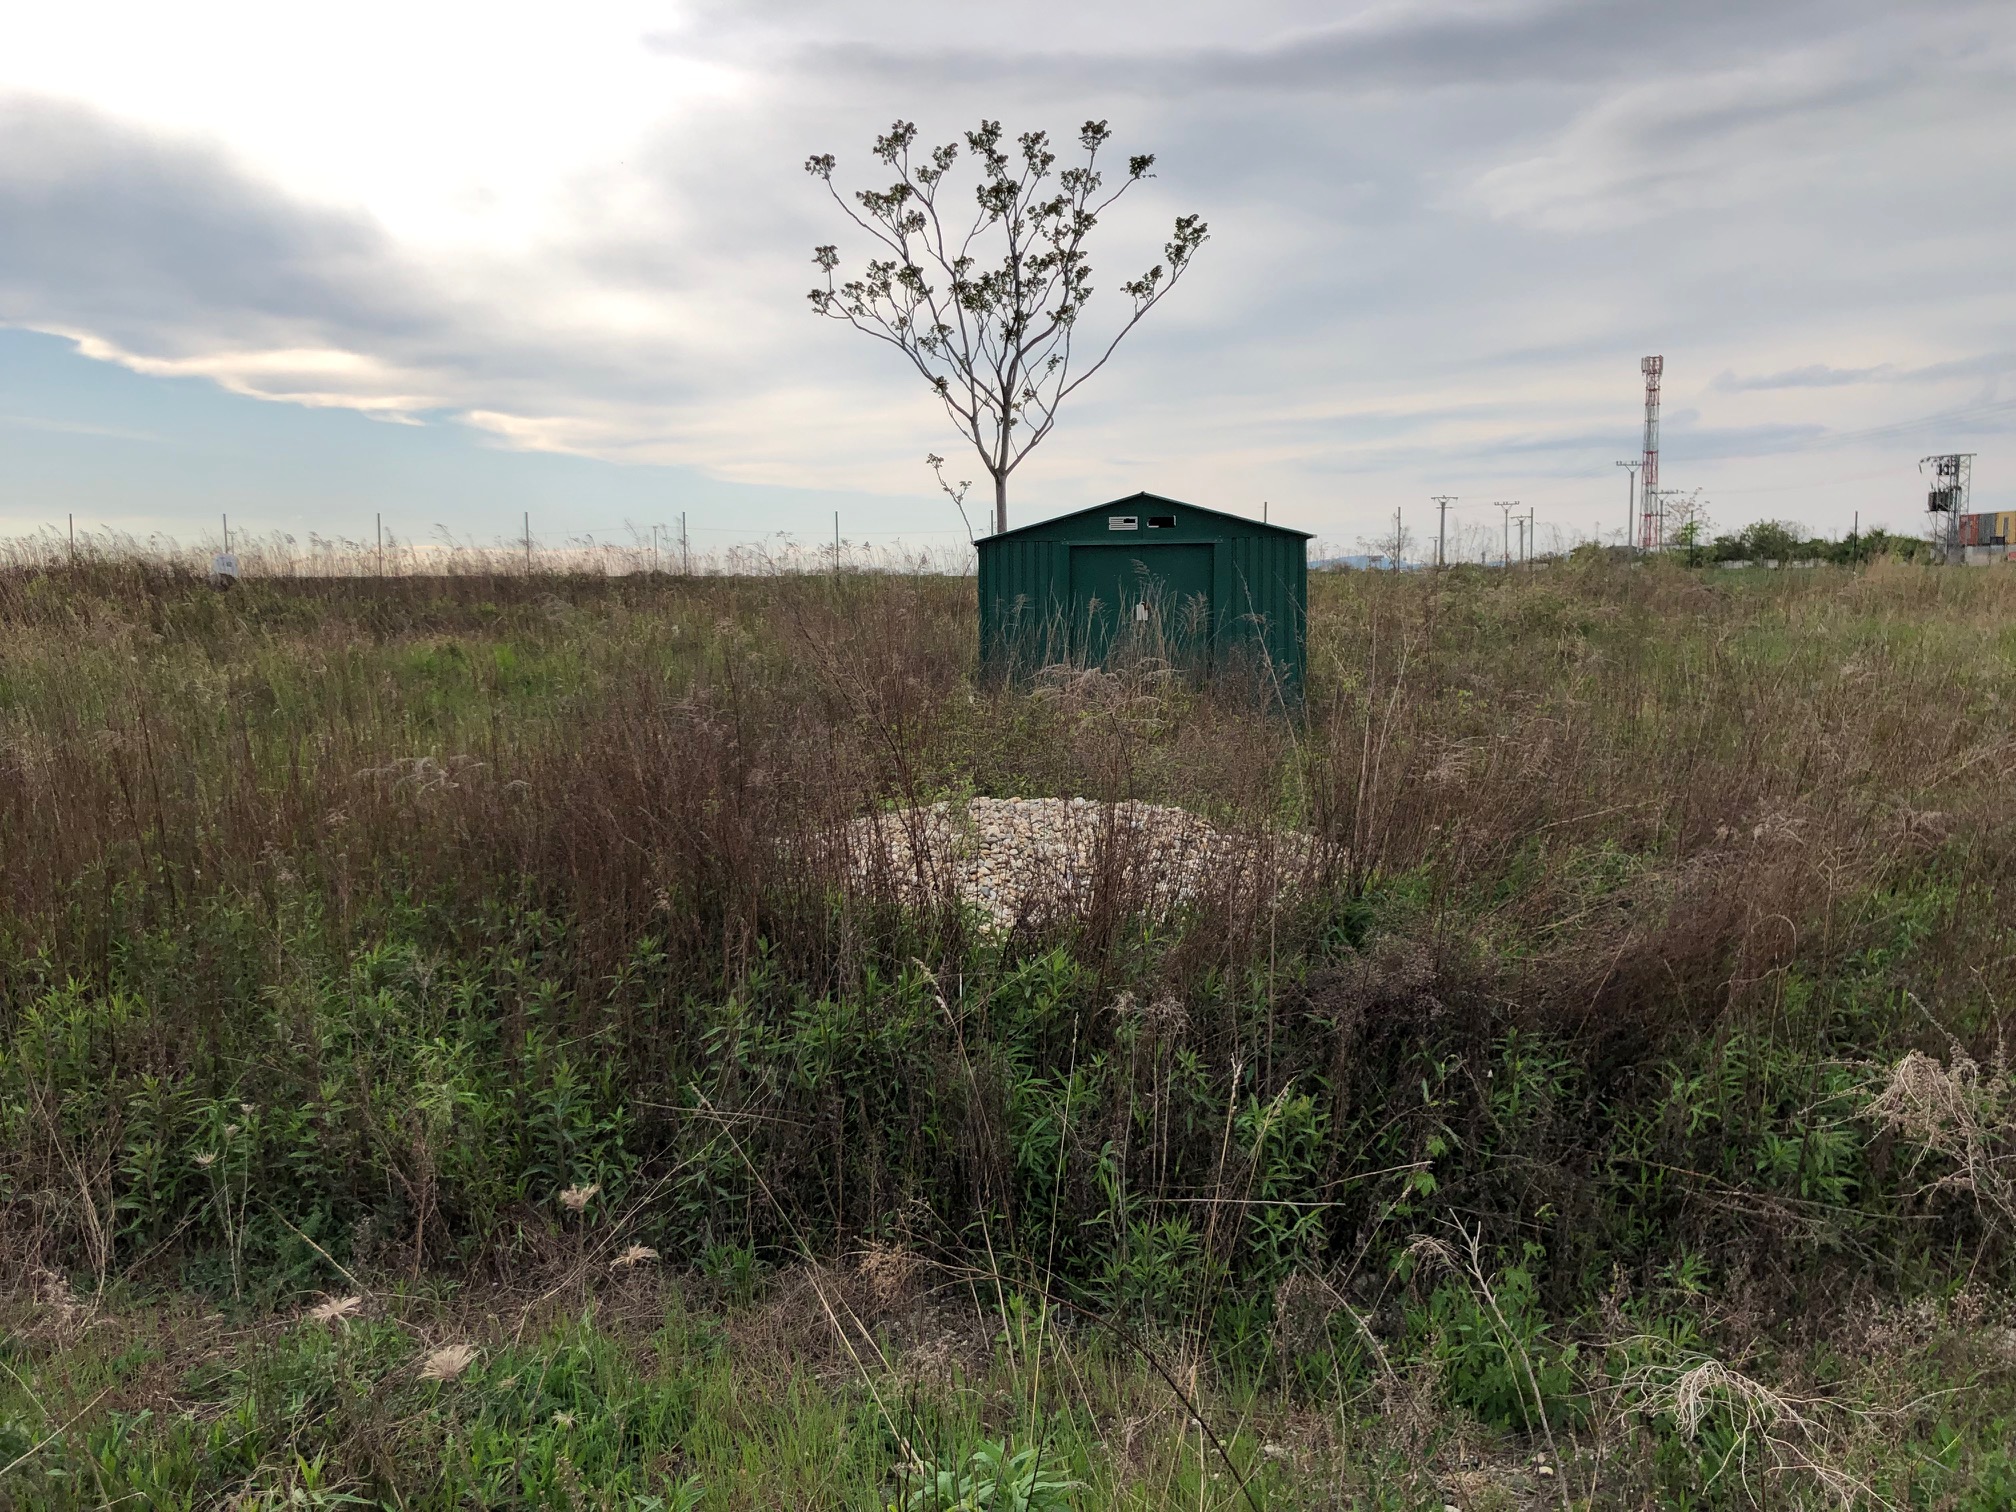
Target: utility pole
[[227, 531], [73, 540], [1532, 535], [1631, 500], [381, 544], [1508, 506], [528, 542], [1854, 541], [1652, 511], [685, 553], [1442, 503], [836, 545], [1399, 541], [1521, 523]]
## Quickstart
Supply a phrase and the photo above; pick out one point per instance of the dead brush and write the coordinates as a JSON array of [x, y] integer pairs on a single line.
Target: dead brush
[[1776, 1436], [814, 1317], [1469, 741], [424, 776], [1963, 1113], [50, 1310], [1135, 699], [891, 1273]]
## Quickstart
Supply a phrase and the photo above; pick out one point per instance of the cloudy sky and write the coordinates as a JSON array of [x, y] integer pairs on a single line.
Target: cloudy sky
[[453, 263]]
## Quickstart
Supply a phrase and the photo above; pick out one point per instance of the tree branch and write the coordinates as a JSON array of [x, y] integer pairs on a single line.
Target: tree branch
[[994, 342]]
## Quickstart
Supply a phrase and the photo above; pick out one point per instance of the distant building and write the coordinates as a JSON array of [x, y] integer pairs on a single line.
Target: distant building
[[1997, 529], [1209, 591]]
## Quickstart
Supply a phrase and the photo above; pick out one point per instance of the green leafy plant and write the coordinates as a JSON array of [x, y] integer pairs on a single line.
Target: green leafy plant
[[993, 1478]]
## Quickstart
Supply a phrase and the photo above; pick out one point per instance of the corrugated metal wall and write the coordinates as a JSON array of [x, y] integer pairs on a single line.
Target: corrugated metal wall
[[1025, 584], [1260, 590], [1264, 604]]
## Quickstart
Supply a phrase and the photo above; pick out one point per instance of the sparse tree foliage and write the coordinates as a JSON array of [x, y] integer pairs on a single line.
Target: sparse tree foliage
[[1689, 526], [985, 301], [1389, 548]]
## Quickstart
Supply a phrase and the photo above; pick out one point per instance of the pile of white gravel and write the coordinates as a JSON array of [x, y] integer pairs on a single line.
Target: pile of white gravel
[[1038, 858]]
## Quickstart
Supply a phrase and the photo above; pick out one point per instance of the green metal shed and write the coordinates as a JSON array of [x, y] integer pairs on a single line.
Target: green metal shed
[[1219, 593]]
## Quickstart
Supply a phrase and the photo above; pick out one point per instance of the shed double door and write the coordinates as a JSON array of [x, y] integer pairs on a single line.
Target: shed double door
[[1142, 600]]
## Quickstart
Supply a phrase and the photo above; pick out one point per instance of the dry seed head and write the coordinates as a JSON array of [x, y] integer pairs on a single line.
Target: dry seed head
[[637, 1254], [335, 1309], [1923, 1099], [205, 1160], [1694, 1393], [58, 1304], [575, 1198], [889, 1270], [1165, 1017], [447, 1362], [1303, 1306], [1426, 1250]]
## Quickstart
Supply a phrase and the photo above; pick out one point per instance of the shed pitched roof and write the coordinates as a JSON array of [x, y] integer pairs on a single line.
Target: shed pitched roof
[[1141, 501]]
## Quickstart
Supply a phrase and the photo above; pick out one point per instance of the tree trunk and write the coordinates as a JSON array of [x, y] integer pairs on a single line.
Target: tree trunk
[[1000, 503]]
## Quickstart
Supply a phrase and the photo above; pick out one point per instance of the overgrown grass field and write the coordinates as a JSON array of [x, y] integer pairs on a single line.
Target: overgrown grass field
[[448, 1059]]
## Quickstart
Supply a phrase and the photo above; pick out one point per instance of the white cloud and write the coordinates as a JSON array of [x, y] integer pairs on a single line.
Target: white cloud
[[1442, 233]]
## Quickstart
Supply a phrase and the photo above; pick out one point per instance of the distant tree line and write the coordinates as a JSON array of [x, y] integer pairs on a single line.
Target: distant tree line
[[1785, 541]]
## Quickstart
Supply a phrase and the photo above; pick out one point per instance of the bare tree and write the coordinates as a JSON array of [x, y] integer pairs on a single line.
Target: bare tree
[[1389, 548], [1688, 525], [1475, 541], [994, 339]]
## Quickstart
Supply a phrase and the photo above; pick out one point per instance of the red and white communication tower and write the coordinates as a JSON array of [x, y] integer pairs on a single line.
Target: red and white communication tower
[[1650, 515]]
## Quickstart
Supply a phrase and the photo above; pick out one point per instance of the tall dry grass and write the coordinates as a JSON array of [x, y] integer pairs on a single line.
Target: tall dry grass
[[277, 554], [1676, 784], [1740, 763], [1620, 808]]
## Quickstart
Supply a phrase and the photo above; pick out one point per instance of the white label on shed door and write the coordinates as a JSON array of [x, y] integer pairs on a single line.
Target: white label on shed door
[[1141, 611], [1123, 522]]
